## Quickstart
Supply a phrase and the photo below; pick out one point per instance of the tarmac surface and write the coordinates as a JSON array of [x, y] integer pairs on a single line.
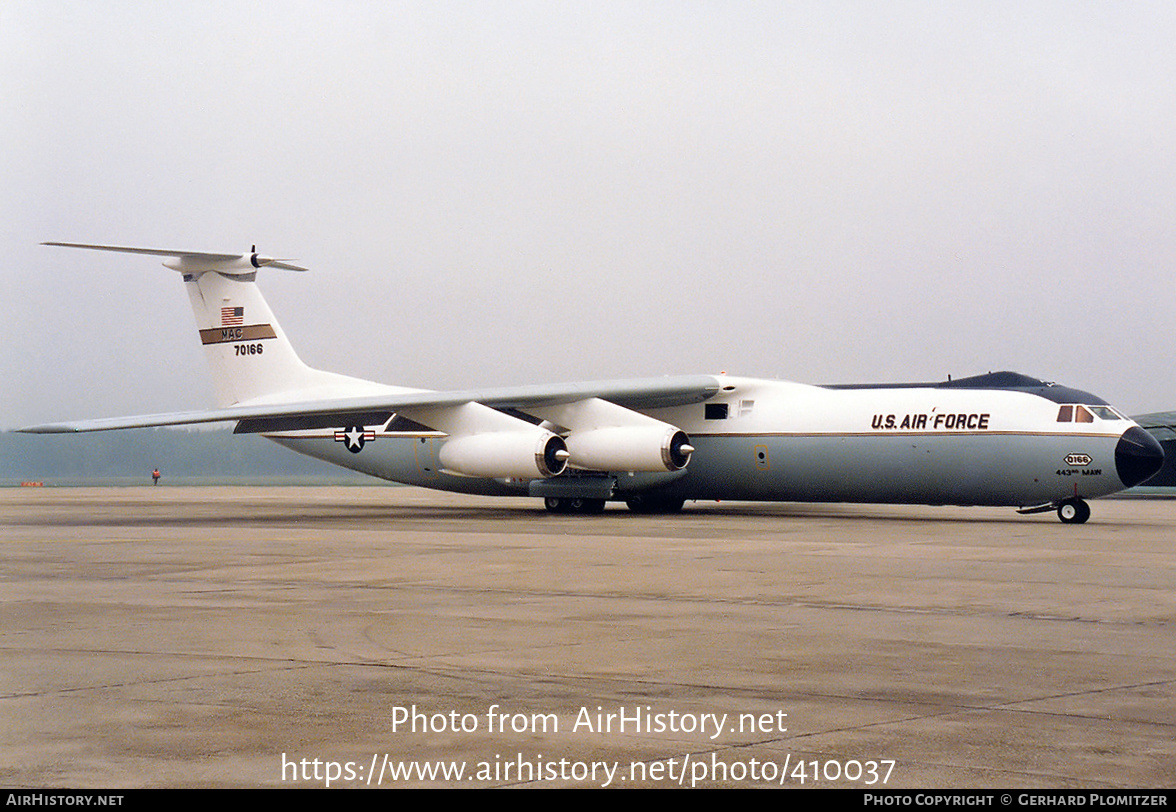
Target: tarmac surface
[[213, 637]]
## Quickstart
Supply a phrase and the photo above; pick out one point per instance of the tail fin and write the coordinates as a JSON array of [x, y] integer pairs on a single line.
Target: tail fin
[[247, 351], [249, 355]]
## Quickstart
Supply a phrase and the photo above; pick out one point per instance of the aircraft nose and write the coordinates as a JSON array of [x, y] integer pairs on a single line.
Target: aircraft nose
[[1137, 456]]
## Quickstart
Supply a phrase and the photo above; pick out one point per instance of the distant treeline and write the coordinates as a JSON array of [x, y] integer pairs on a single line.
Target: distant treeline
[[182, 456]]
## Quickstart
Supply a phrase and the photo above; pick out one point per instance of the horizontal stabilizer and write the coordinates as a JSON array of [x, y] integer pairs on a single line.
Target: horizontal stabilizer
[[195, 261]]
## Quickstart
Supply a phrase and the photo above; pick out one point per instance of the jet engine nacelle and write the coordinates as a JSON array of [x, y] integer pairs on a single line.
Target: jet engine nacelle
[[630, 448], [519, 454]]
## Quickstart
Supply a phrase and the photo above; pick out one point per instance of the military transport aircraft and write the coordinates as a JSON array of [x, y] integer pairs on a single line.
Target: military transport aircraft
[[996, 439]]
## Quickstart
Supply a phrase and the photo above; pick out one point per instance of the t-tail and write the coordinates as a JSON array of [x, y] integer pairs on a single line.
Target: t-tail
[[251, 359]]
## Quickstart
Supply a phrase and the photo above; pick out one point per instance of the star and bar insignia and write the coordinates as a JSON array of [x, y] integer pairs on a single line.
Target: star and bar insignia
[[354, 437]]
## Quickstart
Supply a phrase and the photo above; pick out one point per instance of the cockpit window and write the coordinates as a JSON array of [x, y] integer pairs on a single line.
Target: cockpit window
[[1106, 413], [1085, 414]]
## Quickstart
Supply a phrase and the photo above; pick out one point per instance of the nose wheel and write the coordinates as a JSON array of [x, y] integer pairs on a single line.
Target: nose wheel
[[1074, 511]]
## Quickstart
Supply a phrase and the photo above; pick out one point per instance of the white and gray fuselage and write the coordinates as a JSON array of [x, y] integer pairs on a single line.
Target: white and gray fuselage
[[969, 442]]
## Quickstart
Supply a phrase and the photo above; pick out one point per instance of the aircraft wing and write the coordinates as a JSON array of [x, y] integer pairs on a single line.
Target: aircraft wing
[[642, 393]]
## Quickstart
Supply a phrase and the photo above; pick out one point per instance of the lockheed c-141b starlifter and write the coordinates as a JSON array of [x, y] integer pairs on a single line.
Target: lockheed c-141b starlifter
[[995, 439]]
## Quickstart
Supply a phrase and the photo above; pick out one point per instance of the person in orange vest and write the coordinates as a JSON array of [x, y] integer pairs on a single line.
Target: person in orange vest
[[155, 477]]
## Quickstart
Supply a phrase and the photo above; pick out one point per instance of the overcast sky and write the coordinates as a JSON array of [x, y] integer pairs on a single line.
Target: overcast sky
[[492, 193]]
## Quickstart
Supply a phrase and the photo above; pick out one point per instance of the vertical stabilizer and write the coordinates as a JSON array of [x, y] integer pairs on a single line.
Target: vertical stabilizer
[[248, 353], [250, 357]]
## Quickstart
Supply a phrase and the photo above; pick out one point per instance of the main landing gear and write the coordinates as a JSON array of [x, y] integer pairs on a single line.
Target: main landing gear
[[1074, 511], [573, 504], [637, 504]]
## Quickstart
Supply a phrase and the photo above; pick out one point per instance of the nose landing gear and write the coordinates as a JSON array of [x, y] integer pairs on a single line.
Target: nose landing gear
[[1071, 511], [1074, 511]]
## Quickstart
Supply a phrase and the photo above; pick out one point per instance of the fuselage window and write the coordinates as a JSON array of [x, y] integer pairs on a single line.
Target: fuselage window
[[1066, 414], [716, 411]]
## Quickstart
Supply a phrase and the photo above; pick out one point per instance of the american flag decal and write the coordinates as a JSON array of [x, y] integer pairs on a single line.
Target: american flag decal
[[232, 316]]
